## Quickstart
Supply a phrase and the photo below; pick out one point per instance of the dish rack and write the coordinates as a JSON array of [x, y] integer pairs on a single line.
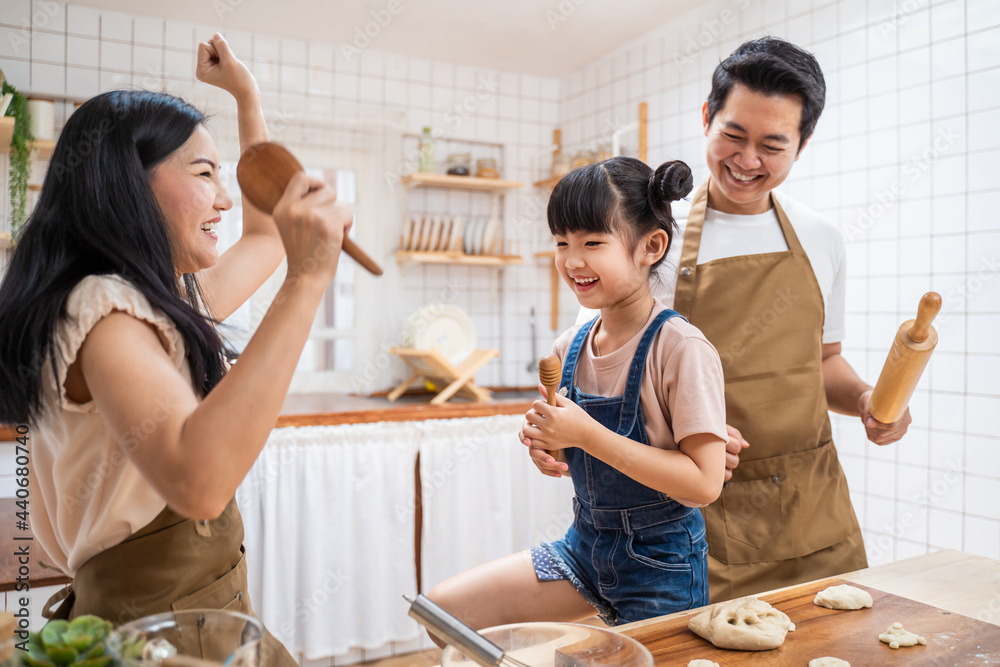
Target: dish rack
[[452, 379]]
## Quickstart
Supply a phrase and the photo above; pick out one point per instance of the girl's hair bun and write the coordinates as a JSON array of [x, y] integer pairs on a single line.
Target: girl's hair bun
[[671, 181]]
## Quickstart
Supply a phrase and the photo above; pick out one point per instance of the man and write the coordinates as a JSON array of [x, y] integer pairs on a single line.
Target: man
[[763, 277]]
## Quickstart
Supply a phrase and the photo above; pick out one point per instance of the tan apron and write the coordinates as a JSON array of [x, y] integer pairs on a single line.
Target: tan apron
[[786, 516], [172, 564]]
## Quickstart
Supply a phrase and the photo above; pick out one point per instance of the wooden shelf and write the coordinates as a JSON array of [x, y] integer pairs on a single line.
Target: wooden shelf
[[548, 183], [470, 183], [35, 187], [43, 148], [4, 240], [406, 256], [6, 133]]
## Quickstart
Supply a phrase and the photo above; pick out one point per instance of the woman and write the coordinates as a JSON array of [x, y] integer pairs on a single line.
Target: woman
[[139, 435]]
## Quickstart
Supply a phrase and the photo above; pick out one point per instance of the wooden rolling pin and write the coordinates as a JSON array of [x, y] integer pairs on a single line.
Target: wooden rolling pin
[[907, 359], [263, 173], [550, 374]]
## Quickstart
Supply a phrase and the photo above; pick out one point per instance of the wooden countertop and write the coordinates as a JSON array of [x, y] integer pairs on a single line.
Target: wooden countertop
[[328, 409], [951, 580], [41, 571], [298, 410]]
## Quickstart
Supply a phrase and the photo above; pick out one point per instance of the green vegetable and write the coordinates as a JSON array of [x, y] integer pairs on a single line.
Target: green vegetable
[[79, 643]]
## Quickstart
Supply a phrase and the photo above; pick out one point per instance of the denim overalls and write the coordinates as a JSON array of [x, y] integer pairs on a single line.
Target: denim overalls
[[632, 552]]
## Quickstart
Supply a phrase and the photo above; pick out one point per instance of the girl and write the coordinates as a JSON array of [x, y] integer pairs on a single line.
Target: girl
[[138, 435], [642, 426]]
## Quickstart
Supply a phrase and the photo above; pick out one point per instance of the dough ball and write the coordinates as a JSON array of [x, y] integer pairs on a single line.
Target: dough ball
[[843, 597], [828, 662], [744, 624], [897, 636], [703, 663]]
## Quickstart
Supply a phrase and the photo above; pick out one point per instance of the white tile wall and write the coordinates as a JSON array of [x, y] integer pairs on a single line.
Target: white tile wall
[[907, 87], [906, 91]]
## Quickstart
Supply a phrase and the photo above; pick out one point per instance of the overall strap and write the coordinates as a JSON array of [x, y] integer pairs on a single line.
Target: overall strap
[[569, 363], [631, 408]]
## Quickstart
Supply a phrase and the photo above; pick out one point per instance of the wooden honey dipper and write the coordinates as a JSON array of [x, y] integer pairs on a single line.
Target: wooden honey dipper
[[263, 173], [910, 352], [550, 374]]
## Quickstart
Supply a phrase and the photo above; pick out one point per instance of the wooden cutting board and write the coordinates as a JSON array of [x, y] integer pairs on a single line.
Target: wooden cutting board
[[952, 639]]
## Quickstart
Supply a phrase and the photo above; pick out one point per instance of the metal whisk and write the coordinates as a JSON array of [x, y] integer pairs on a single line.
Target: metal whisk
[[449, 629]]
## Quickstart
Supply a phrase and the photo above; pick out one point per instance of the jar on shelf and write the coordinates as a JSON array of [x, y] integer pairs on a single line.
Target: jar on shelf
[[560, 165], [487, 168], [582, 159], [459, 164]]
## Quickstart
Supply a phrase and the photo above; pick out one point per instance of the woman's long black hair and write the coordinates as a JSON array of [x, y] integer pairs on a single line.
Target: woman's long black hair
[[97, 215], [621, 195]]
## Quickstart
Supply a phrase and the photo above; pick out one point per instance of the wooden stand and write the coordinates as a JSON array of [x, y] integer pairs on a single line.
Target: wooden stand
[[433, 367]]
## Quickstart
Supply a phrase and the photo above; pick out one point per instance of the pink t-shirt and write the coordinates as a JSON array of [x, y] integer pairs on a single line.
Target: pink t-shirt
[[682, 390], [91, 495]]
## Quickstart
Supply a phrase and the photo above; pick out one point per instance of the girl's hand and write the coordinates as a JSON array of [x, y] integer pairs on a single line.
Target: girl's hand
[[218, 66], [546, 464], [563, 425], [312, 225]]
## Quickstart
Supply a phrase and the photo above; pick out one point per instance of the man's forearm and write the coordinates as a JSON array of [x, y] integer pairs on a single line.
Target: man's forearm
[[843, 386]]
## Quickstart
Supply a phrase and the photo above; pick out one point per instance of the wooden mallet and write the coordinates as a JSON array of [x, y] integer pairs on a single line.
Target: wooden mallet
[[907, 359], [550, 374], [263, 173]]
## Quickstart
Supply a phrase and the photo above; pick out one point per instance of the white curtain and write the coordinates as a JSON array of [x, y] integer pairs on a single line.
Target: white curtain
[[483, 498], [329, 541], [329, 513]]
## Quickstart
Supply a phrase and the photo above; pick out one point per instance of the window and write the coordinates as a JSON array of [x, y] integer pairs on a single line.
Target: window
[[327, 360]]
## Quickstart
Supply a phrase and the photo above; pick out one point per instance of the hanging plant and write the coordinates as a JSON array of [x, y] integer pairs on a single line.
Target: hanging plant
[[20, 157]]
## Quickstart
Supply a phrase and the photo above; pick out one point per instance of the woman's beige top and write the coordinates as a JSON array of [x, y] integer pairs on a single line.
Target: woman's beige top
[[682, 390], [88, 494]]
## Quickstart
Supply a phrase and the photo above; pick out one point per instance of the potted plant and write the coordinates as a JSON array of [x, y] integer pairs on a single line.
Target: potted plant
[[20, 157]]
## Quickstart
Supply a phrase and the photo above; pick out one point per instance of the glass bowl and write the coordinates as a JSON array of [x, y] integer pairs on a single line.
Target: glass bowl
[[213, 636], [559, 645]]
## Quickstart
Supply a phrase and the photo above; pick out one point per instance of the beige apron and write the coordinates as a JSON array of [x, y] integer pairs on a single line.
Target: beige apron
[[172, 564], [786, 515]]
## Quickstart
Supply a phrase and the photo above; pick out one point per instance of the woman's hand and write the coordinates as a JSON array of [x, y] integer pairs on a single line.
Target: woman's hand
[[218, 66], [312, 225]]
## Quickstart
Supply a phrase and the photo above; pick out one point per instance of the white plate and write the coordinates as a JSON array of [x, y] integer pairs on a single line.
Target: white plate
[[447, 329], [478, 238], [467, 236], [455, 241], [435, 238], [418, 230], [404, 241], [425, 236], [444, 241], [491, 237]]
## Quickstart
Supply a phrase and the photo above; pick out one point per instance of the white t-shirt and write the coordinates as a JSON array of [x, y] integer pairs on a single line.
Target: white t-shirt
[[728, 235]]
